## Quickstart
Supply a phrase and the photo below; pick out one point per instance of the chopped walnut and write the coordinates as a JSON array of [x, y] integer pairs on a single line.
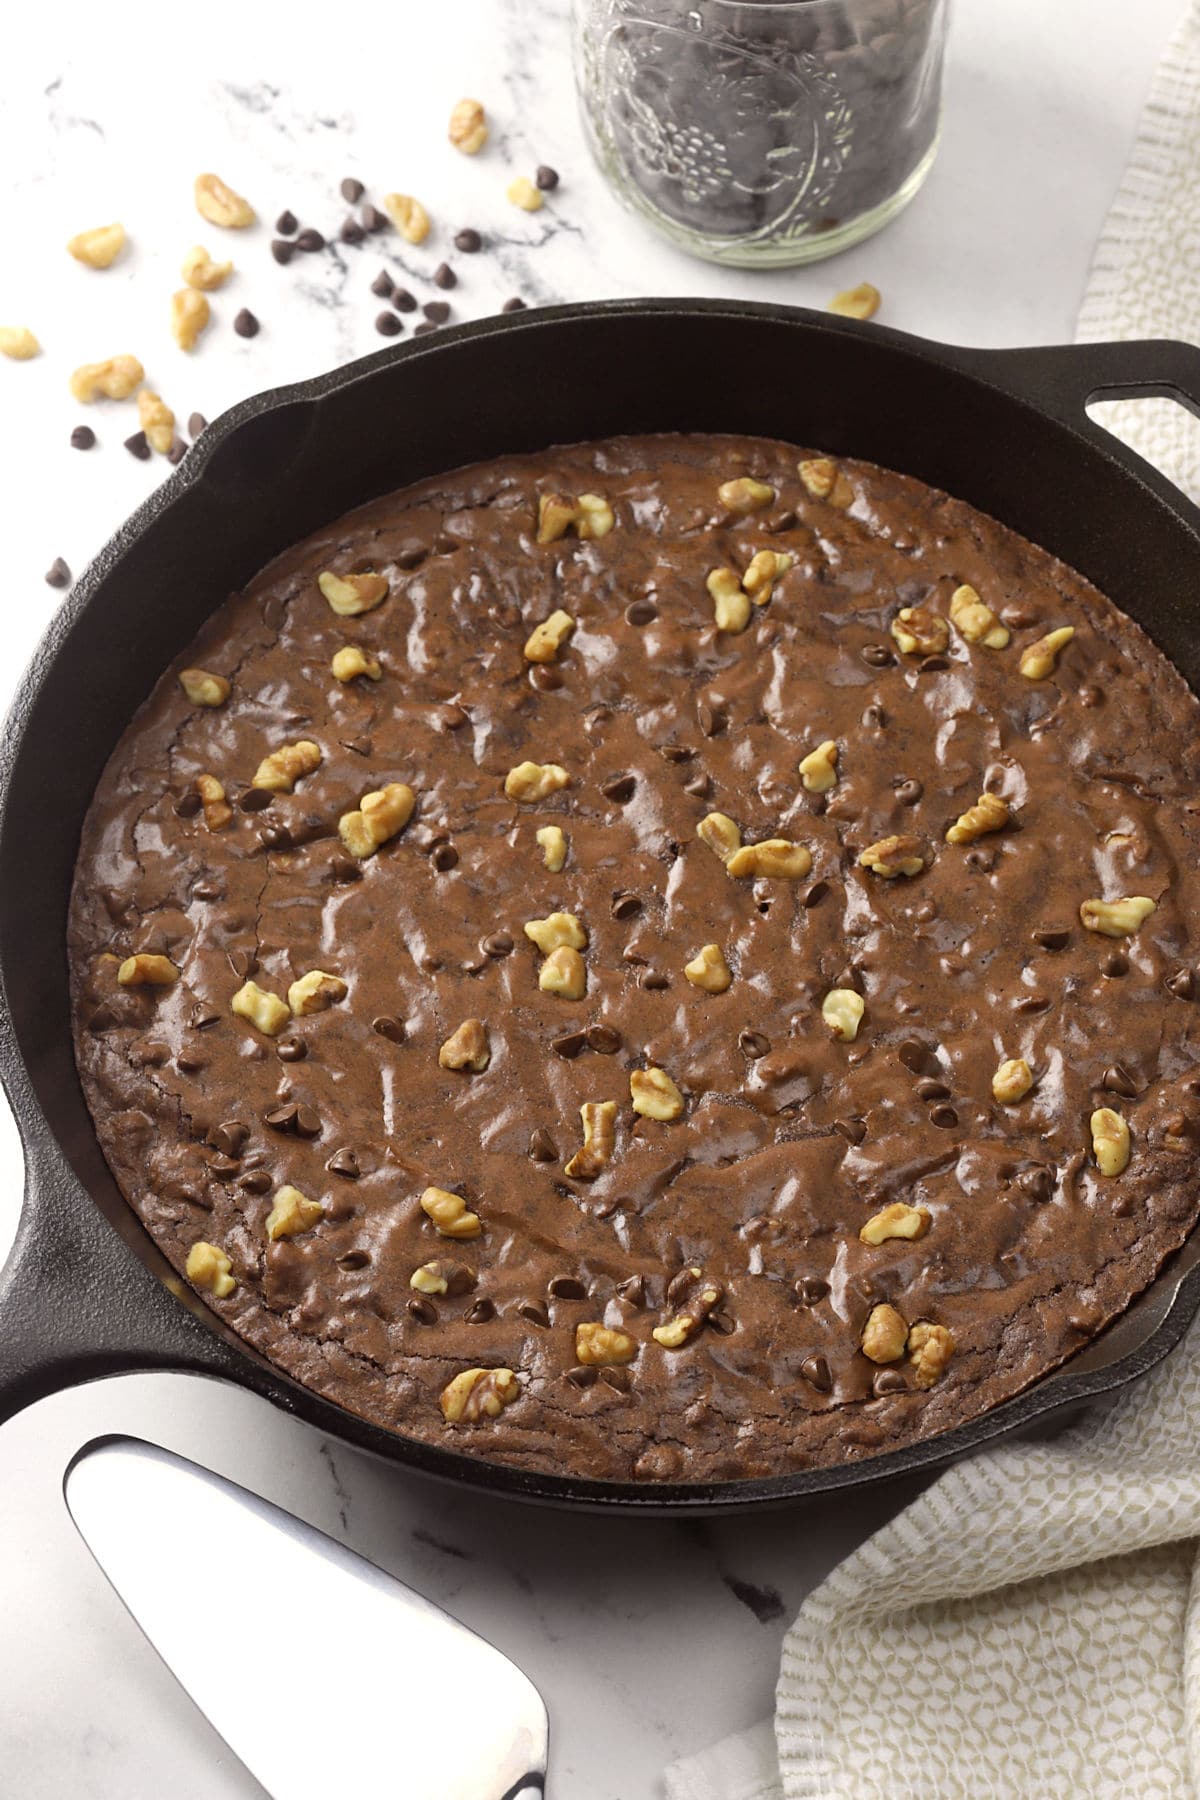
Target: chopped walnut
[[439, 1277], [842, 1010], [203, 688], [292, 1213], [552, 840], [884, 1335], [745, 495], [350, 595], [100, 247], [764, 570], [1012, 1081], [200, 271], [930, 1348], [18, 343], [599, 1140], [190, 314], [731, 602], [709, 970], [547, 639], [719, 832], [115, 379], [380, 815], [676, 1332], [557, 929], [283, 768], [655, 1095], [264, 1010], [824, 481], [217, 202], [777, 857], [526, 194], [599, 1346], [530, 782], [589, 515], [350, 662], [408, 216], [976, 621], [920, 632], [989, 813], [1110, 1141], [478, 1394], [1117, 918], [564, 973], [1040, 660], [818, 770], [468, 127], [896, 1221], [893, 856], [156, 420], [313, 992], [216, 809], [146, 970], [861, 302], [210, 1269], [449, 1214], [467, 1048]]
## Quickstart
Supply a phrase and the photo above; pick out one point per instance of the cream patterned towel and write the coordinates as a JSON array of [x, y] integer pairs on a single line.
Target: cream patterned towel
[[1030, 1627]]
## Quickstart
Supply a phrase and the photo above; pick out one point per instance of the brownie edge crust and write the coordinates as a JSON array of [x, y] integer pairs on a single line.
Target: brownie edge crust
[[667, 959]]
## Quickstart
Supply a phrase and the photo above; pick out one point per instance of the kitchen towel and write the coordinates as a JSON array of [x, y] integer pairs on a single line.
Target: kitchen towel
[[1030, 1626]]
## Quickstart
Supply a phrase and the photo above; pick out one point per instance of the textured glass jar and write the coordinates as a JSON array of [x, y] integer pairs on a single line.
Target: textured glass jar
[[761, 133]]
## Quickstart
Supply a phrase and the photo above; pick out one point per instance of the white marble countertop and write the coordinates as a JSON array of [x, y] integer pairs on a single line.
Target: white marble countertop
[[646, 1639]]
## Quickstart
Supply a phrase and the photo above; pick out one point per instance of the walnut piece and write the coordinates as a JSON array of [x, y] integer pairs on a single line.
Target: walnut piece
[[1012, 1081], [467, 1048], [599, 1346], [530, 782], [203, 688], [1117, 918], [468, 127], [291, 1213], [156, 420], [18, 343], [776, 857], [989, 813], [200, 271], [1040, 660], [884, 1335], [745, 495], [930, 1347], [599, 1140], [100, 247], [731, 602], [764, 570], [676, 1332], [547, 639], [147, 970], [217, 202], [893, 856], [478, 1394], [439, 1277], [526, 194], [555, 930], [1110, 1141], [350, 662], [589, 516], [818, 770], [655, 1095], [114, 379], [190, 313], [564, 973], [380, 815], [920, 632], [283, 768], [449, 1214], [842, 1010], [350, 595], [719, 832], [975, 621], [210, 1269], [216, 809], [896, 1221], [408, 216], [709, 970], [824, 481], [265, 1011], [553, 842], [313, 992], [861, 302]]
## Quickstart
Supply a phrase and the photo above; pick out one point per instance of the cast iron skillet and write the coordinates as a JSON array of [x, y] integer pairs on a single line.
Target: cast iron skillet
[[86, 1293]]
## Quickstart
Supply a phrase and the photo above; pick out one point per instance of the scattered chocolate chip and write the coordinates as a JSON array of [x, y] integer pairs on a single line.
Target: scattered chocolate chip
[[244, 963], [351, 190], [374, 220], [189, 1063], [138, 446], [310, 239], [287, 223], [1031, 1004], [944, 1117], [516, 304], [917, 1057], [229, 1138], [641, 612], [535, 1311], [655, 980], [853, 1129], [815, 894], [282, 250], [344, 1162], [255, 1181], [930, 1090], [888, 1381], [290, 1050], [480, 1311], [1115, 964], [874, 718], [383, 285], [933, 665], [1090, 696], [984, 861], [196, 424], [815, 1371], [619, 1380], [187, 805], [545, 677], [403, 301], [1182, 983], [542, 1147], [712, 720], [422, 1309], [1118, 1080], [569, 1044], [753, 1044], [281, 1117], [388, 1027], [619, 788], [468, 240], [908, 792], [343, 868], [444, 858], [603, 1040], [388, 325], [584, 1376], [308, 1122], [546, 178], [1037, 1183], [437, 311], [177, 452], [698, 786], [82, 438], [444, 276], [424, 328], [877, 656], [245, 323], [626, 906], [497, 944], [351, 232], [256, 800], [1053, 937], [567, 1287], [201, 1017]]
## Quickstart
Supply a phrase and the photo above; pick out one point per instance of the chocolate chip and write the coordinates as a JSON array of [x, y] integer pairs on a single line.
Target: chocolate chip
[[424, 328], [917, 1057], [933, 665], [282, 250], [1118, 1080], [888, 1381], [542, 1147], [1115, 964], [383, 285], [480, 1311], [255, 1181], [373, 220], [1182, 983], [1090, 696], [546, 178], [603, 1040], [815, 894], [929, 1090], [468, 240], [138, 445], [908, 792], [874, 718], [344, 1162], [1037, 1183], [351, 232], [1053, 937], [196, 424], [201, 1017], [290, 1050], [256, 800], [388, 325], [354, 1259], [877, 656], [403, 301], [245, 323], [444, 858], [753, 1044], [497, 944], [853, 1129], [437, 311], [617, 1379], [569, 1044], [352, 190], [516, 304], [584, 1376], [545, 678], [535, 1312], [619, 788], [229, 1138], [655, 980], [422, 1309], [983, 861], [633, 1290], [244, 963], [281, 1117], [641, 612], [444, 277], [815, 1371], [626, 906], [189, 1063], [388, 1027], [712, 720], [944, 1117], [567, 1287], [187, 805], [310, 239], [699, 786], [1031, 1004], [287, 223], [177, 452], [722, 1322], [82, 438]]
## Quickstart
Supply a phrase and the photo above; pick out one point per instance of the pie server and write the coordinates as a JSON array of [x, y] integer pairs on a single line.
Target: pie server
[[456, 1720]]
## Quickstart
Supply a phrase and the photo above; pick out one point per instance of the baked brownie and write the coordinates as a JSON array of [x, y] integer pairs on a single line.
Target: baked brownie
[[669, 958]]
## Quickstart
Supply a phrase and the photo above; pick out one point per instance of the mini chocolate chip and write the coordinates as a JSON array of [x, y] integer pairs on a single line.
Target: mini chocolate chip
[[310, 239], [374, 220], [722, 1322], [437, 311], [944, 1117], [82, 438], [290, 1050], [603, 1040], [1053, 937], [352, 190], [1020, 617], [344, 1162], [282, 250], [344, 868], [444, 276], [138, 445], [1037, 1183], [626, 905], [917, 1057], [534, 1311], [256, 800], [229, 1138], [641, 612], [619, 788], [497, 944], [877, 656], [354, 1259], [617, 1379], [542, 1147], [187, 805], [281, 1117], [699, 786], [201, 1017], [567, 1287], [388, 325], [244, 963], [853, 1129], [255, 1181], [1116, 963], [584, 1376], [1182, 984], [351, 232], [1118, 1080], [388, 1027], [909, 792], [444, 858], [874, 718], [815, 1371], [196, 424], [403, 301], [816, 893], [888, 1381], [424, 328], [177, 452], [633, 1290], [655, 980], [546, 178], [287, 223], [545, 677], [190, 1063], [515, 304], [753, 1044], [1031, 1004], [480, 1311], [932, 665], [569, 1044], [383, 286], [245, 323], [468, 240], [275, 837], [811, 1290], [929, 1090], [712, 720], [422, 1309]]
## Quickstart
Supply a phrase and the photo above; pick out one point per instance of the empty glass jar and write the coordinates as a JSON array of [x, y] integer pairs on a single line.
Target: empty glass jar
[[762, 132]]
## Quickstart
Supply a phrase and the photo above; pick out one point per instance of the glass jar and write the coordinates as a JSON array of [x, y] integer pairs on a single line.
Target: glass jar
[[762, 132]]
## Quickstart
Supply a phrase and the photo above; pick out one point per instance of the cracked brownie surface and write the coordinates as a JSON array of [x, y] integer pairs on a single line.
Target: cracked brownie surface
[[886, 1066]]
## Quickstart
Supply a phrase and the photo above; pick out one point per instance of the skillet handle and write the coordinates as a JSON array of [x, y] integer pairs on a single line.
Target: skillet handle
[[76, 1304]]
